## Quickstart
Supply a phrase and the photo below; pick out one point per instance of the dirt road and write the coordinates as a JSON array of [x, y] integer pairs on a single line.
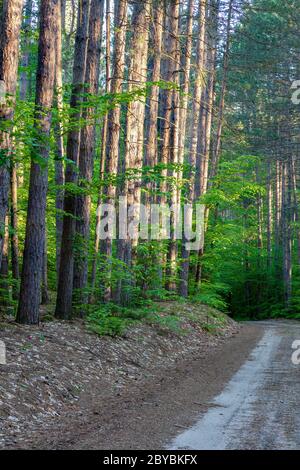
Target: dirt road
[[241, 391], [259, 407], [149, 417]]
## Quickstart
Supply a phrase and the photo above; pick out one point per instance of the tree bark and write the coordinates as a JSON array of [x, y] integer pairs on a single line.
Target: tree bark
[[270, 216], [135, 129], [44, 293], [59, 131], [175, 132], [169, 68], [278, 212], [4, 271], [66, 271], [185, 91], [184, 273], [103, 143], [217, 146], [25, 61], [205, 128], [86, 155], [151, 147], [30, 291], [10, 23], [286, 234], [14, 239], [113, 132], [296, 215]]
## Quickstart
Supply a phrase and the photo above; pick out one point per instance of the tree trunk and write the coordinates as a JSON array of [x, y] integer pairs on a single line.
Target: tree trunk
[[169, 69], [103, 143], [10, 23], [26, 27], [217, 146], [86, 155], [59, 164], [66, 271], [113, 132], [44, 294], [286, 234], [270, 215], [278, 212], [176, 131], [4, 271], [14, 229], [185, 91], [30, 292], [205, 127], [151, 147], [135, 128], [296, 206], [63, 15], [184, 273], [259, 206]]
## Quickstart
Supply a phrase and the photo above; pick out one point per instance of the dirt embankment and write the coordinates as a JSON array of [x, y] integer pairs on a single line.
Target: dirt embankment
[[62, 383]]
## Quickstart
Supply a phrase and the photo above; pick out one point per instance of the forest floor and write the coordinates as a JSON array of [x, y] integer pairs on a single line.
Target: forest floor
[[65, 387]]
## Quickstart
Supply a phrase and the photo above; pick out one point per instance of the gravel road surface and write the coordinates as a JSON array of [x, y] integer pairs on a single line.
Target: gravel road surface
[[259, 407]]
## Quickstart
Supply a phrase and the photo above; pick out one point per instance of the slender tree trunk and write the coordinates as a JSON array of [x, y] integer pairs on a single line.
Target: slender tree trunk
[[113, 132], [185, 91], [205, 127], [44, 294], [169, 69], [5, 253], [286, 234], [86, 156], [14, 240], [259, 220], [135, 129], [217, 146], [59, 162], [30, 292], [278, 212], [10, 23], [184, 274], [66, 271], [169, 73], [151, 148], [296, 215], [63, 15], [174, 184], [103, 143], [270, 216], [4, 271], [25, 62], [259, 206]]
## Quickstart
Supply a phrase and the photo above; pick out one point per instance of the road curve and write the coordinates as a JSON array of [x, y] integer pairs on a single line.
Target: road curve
[[259, 407]]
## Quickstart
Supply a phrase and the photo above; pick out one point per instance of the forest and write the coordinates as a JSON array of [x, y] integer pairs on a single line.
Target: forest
[[155, 103]]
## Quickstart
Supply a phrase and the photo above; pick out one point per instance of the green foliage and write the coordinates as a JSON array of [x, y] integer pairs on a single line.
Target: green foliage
[[107, 320], [113, 320], [212, 295], [167, 323], [234, 267], [235, 272]]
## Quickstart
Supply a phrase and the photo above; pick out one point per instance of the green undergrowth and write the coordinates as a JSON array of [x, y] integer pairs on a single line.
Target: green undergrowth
[[172, 316], [178, 316]]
